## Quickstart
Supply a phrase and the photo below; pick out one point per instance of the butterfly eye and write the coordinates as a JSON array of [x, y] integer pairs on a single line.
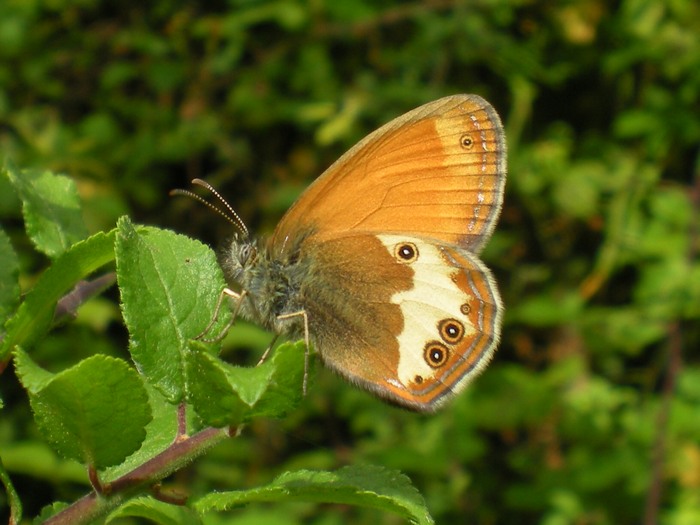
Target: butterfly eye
[[247, 254], [436, 354], [406, 252], [466, 141], [465, 309], [451, 330]]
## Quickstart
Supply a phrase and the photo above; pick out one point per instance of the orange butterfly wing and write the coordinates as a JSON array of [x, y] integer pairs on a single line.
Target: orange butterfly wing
[[437, 171], [379, 320]]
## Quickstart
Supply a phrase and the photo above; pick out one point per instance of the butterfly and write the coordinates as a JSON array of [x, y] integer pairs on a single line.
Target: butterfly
[[377, 263]]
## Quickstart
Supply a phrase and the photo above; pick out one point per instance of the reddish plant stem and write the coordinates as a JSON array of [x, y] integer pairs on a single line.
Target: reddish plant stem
[[95, 480], [93, 506], [68, 305]]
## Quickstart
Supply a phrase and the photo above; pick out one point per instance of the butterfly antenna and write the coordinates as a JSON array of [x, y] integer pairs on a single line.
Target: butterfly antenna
[[231, 216]]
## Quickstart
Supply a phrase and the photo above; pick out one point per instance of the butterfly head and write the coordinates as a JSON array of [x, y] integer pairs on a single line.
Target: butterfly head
[[271, 283], [245, 267], [240, 257]]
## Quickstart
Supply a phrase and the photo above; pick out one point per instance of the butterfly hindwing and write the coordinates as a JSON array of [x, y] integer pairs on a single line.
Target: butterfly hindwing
[[419, 318]]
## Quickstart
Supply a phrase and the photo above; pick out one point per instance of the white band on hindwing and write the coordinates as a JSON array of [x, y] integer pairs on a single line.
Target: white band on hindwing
[[435, 296]]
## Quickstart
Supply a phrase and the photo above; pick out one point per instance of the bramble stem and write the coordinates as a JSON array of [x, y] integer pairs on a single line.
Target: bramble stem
[[180, 453]]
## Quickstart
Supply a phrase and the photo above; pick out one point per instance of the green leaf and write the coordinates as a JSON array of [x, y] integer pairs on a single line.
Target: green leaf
[[35, 314], [33, 377], [9, 272], [224, 394], [94, 412], [48, 511], [160, 433], [12, 496], [51, 209], [156, 511], [169, 287], [365, 486]]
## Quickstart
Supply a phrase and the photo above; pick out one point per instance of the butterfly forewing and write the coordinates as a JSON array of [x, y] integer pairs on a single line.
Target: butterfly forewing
[[437, 171]]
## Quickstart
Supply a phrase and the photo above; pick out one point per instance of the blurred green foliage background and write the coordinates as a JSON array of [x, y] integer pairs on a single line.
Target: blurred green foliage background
[[590, 413]]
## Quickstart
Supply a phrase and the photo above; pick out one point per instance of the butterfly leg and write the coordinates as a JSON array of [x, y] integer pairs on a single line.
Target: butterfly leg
[[226, 292], [267, 351], [302, 314]]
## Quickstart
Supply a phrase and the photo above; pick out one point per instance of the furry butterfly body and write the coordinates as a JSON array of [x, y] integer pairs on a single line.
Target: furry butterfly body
[[377, 261]]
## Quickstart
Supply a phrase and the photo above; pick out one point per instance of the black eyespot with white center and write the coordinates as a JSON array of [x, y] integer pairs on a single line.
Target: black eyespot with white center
[[466, 141], [436, 354], [451, 330], [406, 252]]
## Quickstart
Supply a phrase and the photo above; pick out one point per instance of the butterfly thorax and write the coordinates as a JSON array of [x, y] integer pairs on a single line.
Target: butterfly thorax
[[271, 282]]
